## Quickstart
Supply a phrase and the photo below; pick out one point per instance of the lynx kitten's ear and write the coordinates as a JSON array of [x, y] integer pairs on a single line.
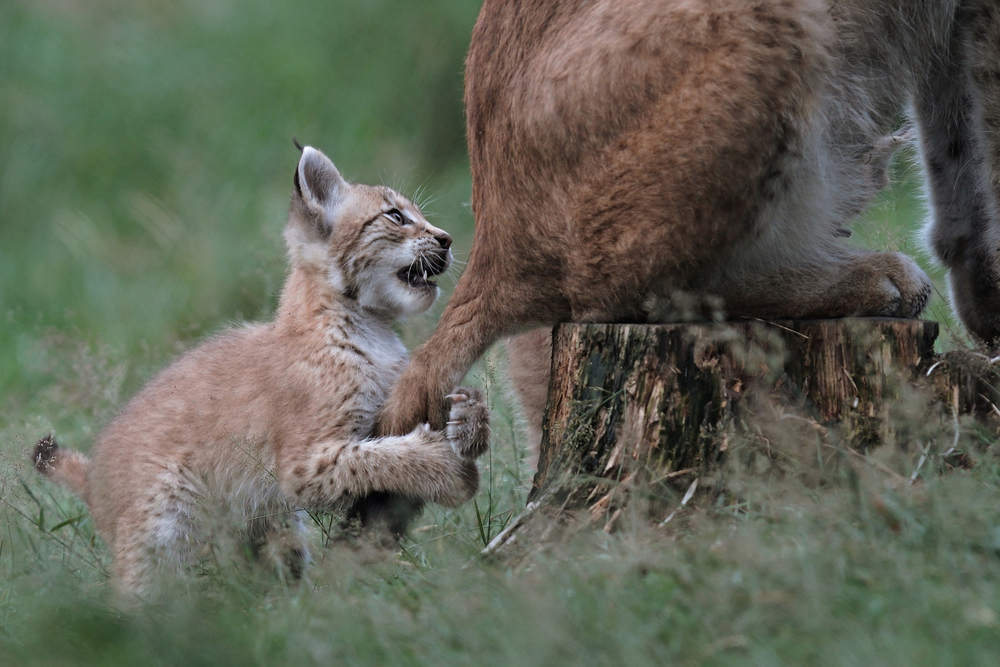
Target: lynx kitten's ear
[[319, 189]]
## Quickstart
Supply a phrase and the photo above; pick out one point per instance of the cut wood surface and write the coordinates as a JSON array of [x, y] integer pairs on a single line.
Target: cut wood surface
[[660, 400]]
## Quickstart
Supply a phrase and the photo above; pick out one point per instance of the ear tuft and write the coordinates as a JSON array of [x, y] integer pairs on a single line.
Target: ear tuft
[[319, 189], [318, 179]]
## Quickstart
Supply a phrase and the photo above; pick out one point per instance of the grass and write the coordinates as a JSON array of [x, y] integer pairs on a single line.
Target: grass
[[145, 164]]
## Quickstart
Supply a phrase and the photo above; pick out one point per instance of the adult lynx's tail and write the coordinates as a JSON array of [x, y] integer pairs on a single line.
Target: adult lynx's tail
[[65, 466]]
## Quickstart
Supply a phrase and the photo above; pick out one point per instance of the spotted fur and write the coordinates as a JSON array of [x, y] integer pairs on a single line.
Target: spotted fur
[[267, 420]]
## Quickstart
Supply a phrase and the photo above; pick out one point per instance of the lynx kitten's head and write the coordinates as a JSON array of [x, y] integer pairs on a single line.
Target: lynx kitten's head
[[370, 242]]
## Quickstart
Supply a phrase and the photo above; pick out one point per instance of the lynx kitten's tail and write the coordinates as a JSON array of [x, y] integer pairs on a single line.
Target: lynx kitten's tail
[[65, 466]]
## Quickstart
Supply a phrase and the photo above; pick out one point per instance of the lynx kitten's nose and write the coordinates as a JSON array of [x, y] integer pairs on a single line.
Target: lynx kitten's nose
[[444, 240]]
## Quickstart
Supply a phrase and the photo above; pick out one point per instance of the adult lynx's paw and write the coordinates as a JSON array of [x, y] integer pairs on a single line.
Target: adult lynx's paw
[[910, 287], [469, 422]]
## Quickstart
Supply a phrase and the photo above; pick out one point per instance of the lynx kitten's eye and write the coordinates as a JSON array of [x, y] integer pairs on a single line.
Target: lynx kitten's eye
[[395, 216]]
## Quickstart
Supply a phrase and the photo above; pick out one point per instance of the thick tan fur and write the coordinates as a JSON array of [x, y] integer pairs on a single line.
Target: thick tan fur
[[627, 151], [268, 419]]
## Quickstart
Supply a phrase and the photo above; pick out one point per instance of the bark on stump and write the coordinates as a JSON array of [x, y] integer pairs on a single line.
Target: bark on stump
[[660, 399]]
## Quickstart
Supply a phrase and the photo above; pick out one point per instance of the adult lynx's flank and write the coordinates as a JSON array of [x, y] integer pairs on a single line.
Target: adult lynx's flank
[[268, 419], [634, 158]]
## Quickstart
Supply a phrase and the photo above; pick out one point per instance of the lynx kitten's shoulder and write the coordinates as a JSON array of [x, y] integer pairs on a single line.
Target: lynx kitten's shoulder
[[268, 419]]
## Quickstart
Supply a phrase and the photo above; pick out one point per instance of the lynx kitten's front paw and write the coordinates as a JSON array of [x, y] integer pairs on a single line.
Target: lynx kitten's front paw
[[468, 422]]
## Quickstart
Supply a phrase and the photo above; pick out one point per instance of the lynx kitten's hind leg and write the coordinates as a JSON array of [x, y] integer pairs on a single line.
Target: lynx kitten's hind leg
[[280, 542], [153, 543]]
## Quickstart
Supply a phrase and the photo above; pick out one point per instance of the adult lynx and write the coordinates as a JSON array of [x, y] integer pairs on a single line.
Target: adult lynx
[[624, 151], [267, 419]]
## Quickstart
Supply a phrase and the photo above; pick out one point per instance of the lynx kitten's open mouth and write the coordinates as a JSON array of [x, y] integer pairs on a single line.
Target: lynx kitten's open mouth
[[419, 273]]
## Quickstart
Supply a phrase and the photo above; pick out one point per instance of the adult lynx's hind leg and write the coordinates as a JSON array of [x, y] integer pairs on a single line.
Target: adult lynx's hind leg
[[984, 56], [979, 302], [961, 159], [530, 360], [475, 317], [585, 199]]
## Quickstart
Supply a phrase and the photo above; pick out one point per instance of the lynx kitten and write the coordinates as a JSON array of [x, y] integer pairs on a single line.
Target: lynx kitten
[[267, 419]]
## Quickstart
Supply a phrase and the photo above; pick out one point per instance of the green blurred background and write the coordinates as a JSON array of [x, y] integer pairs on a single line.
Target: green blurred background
[[146, 156], [146, 161]]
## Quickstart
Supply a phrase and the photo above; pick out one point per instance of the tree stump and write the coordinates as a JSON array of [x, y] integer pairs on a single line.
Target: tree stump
[[661, 400]]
